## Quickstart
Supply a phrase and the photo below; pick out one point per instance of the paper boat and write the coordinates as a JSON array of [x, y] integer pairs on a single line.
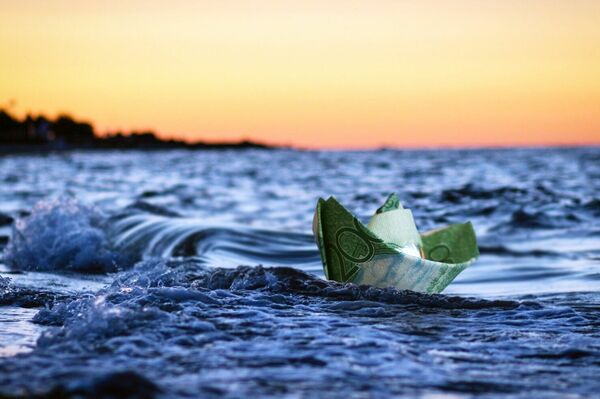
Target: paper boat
[[352, 253]]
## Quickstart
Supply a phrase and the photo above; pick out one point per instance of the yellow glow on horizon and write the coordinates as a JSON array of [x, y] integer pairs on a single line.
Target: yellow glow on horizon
[[315, 74]]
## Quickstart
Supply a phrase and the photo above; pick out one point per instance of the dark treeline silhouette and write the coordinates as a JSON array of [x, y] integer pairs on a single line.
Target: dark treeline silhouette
[[64, 133]]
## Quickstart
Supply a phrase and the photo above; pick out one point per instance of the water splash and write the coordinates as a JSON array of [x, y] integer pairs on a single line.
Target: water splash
[[61, 234]]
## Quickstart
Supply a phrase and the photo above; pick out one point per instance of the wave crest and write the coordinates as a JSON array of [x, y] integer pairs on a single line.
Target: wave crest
[[62, 234]]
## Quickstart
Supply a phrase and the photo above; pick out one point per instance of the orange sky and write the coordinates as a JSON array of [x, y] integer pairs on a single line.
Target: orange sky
[[312, 73]]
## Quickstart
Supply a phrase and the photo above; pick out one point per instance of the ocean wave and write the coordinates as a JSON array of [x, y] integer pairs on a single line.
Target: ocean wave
[[470, 192], [156, 234], [248, 330], [505, 251], [62, 234], [155, 282], [527, 221], [14, 295], [5, 219]]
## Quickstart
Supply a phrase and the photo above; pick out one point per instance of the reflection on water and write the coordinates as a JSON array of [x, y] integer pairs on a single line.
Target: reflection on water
[[17, 332]]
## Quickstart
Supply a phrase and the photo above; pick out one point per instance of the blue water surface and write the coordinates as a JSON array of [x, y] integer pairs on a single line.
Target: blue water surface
[[192, 274]]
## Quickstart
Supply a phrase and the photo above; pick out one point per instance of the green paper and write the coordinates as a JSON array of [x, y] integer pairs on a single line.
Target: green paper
[[352, 253], [391, 203]]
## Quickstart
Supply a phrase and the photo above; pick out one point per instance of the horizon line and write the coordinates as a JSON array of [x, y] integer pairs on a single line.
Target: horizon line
[[274, 144]]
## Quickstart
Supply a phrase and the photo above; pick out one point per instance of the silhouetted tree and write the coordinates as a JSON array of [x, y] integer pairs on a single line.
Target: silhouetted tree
[[75, 133], [67, 133], [11, 130]]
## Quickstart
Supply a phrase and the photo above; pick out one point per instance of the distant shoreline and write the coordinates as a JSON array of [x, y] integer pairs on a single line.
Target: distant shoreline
[[38, 134], [166, 146]]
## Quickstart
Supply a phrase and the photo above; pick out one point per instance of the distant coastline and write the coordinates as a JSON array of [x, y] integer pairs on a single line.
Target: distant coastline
[[40, 134]]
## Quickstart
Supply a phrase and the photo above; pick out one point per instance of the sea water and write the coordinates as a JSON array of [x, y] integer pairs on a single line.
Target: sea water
[[195, 274]]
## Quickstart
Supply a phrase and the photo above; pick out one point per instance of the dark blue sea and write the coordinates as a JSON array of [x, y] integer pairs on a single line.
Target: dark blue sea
[[188, 274]]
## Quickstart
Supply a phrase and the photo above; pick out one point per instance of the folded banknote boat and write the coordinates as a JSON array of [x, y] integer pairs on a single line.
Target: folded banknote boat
[[389, 252]]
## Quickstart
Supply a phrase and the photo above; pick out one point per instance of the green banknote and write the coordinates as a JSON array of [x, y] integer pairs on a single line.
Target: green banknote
[[352, 253]]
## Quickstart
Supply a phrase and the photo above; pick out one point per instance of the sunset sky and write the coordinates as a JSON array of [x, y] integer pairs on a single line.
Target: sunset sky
[[311, 73]]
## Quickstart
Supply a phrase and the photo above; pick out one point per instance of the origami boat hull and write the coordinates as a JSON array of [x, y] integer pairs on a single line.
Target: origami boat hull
[[408, 273]]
